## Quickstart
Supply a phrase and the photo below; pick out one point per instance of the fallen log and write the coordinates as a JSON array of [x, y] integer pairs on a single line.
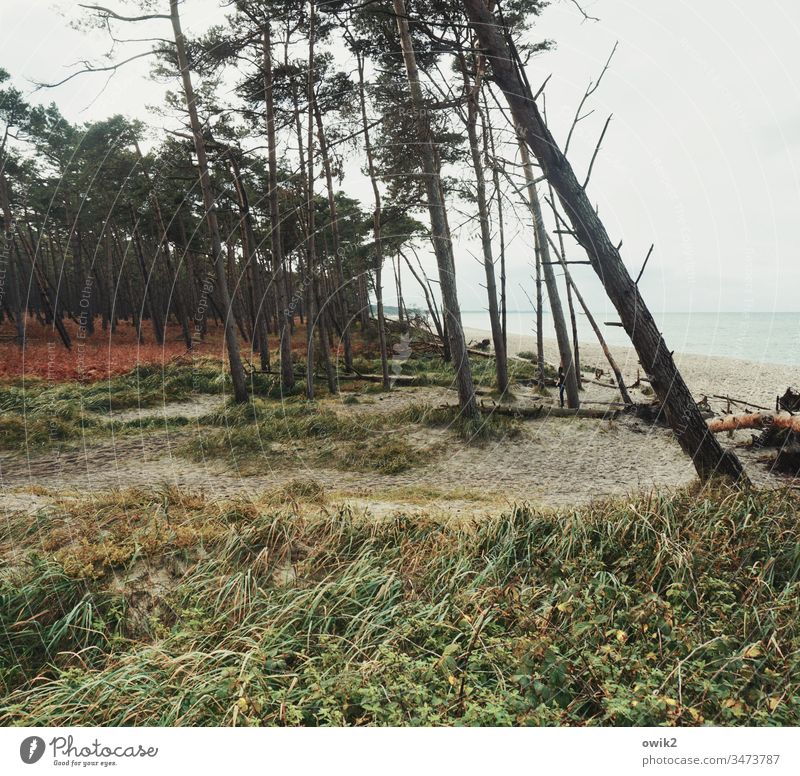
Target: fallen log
[[399, 379], [543, 411], [601, 384], [754, 420]]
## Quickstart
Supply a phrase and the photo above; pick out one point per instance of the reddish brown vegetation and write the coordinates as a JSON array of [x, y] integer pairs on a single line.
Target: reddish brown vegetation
[[104, 354], [95, 358]]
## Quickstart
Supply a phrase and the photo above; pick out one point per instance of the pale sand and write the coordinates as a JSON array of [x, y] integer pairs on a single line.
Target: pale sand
[[646, 457], [554, 462]]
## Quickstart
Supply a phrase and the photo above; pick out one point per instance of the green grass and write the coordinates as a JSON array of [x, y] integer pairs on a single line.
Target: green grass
[[680, 609], [41, 415], [38, 415], [487, 427], [263, 433]]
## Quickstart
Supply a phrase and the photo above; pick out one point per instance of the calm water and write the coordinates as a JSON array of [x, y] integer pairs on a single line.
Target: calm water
[[765, 337]]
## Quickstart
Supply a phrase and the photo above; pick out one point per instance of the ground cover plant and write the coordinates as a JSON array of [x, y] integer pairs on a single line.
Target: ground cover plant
[[166, 609]]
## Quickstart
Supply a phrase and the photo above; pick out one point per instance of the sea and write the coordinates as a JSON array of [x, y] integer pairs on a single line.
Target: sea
[[769, 338]]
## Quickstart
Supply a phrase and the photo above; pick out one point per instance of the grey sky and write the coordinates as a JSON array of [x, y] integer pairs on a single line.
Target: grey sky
[[702, 156]]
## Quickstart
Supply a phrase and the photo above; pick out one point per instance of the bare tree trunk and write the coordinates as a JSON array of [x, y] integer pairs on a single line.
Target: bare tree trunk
[[563, 256], [575, 346], [488, 133], [278, 274], [562, 336], [376, 230], [442, 243], [48, 301], [486, 235], [402, 312], [19, 306], [237, 370], [10, 247], [341, 295], [163, 243], [107, 281], [315, 314], [250, 250], [539, 310], [681, 410], [155, 319]]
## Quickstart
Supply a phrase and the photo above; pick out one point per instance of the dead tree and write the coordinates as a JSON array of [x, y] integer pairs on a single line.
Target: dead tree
[[562, 335], [682, 413], [611, 361], [755, 420]]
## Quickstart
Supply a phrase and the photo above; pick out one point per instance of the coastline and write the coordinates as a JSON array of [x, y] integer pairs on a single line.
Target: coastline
[[749, 381]]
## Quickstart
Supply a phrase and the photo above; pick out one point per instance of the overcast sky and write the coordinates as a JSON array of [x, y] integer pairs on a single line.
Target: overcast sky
[[702, 157]]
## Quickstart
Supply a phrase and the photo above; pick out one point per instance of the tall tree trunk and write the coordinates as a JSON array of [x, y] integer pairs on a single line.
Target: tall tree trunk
[[48, 301], [562, 335], [147, 290], [19, 305], [681, 410], [163, 246], [9, 246], [539, 310], [258, 295], [570, 286], [473, 91], [489, 136], [109, 273], [442, 244], [315, 314], [278, 274], [402, 312], [235, 288], [341, 296], [237, 370], [87, 286], [376, 229]]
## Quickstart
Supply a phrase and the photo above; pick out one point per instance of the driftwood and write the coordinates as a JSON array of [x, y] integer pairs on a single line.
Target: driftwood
[[754, 420], [603, 385], [741, 402]]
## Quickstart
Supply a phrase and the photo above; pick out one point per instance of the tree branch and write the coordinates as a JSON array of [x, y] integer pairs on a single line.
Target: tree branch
[[596, 150], [108, 13], [89, 68]]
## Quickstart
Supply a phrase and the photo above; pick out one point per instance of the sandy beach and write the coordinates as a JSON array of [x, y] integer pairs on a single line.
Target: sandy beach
[[708, 376], [625, 456]]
